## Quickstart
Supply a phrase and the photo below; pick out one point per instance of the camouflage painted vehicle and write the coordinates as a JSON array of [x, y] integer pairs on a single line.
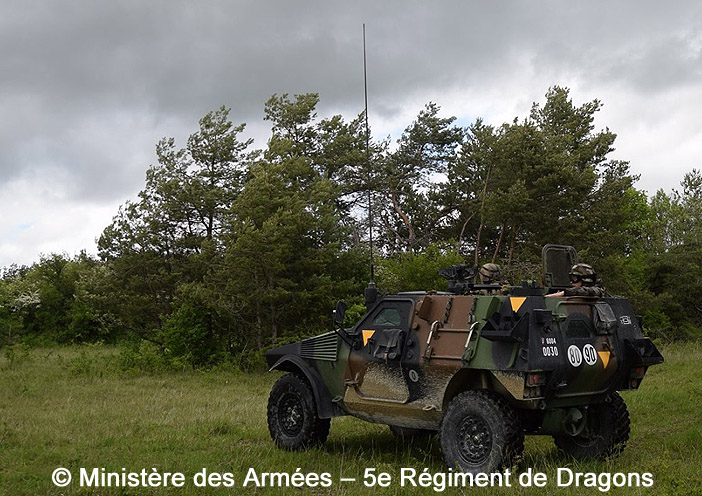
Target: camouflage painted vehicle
[[481, 370]]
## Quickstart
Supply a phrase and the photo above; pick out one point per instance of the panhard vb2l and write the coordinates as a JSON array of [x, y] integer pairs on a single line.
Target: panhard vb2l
[[478, 367]]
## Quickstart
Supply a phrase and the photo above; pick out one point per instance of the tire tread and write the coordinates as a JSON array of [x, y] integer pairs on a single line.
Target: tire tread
[[511, 452], [314, 433]]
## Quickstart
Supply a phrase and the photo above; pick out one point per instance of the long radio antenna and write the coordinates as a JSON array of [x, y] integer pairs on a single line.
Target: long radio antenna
[[371, 293], [370, 205]]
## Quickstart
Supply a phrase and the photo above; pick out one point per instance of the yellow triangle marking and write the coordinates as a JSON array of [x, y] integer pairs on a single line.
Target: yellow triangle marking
[[604, 355], [367, 335], [517, 302]]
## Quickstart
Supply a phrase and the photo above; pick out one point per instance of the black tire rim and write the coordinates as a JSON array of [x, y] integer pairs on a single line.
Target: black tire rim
[[291, 414], [474, 440]]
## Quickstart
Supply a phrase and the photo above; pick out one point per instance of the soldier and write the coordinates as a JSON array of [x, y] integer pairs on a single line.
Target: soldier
[[491, 273], [583, 282]]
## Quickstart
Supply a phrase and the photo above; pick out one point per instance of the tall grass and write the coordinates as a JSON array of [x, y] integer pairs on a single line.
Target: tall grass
[[76, 407]]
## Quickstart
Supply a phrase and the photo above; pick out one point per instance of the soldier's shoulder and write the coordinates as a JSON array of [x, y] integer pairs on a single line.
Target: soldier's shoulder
[[585, 291]]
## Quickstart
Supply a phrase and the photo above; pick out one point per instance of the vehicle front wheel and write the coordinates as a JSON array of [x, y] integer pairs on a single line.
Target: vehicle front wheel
[[605, 433], [292, 415], [480, 433]]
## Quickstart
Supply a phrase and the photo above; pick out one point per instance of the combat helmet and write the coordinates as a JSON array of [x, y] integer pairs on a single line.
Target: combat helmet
[[490, 273], [583, 273]]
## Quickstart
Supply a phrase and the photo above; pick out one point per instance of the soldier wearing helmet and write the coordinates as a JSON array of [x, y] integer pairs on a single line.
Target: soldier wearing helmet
[[583, 282], [490, 273]]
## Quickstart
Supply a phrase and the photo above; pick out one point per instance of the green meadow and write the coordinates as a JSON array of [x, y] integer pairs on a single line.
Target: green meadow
[[82, 408]]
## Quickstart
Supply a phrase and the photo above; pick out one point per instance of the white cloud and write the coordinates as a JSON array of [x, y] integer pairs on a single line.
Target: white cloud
[[41, 220]]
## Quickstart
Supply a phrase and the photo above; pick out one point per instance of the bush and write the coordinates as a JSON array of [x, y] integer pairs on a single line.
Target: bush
[[251, 361], [17, 354], [142, 356], [189, 335]]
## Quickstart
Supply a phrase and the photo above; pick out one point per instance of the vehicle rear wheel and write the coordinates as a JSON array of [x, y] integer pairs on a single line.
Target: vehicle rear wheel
[[605, 434], [480, 433], [292, 415]]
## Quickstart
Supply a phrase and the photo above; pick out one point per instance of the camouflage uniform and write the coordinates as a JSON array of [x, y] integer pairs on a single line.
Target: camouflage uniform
[[585, 291], [591, 286]]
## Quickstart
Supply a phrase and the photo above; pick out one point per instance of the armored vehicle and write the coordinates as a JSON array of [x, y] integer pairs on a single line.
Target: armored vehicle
[[478, 367]]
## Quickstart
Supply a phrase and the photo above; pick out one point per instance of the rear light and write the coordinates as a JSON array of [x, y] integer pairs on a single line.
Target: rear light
[[535, 379], [635, 376], [637, 373]]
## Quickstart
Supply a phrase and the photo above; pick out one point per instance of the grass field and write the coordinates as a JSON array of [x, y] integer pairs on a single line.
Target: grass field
[[76, 408]]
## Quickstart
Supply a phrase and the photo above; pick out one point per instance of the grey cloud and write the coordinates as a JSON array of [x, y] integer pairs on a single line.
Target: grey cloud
[[88, 87]]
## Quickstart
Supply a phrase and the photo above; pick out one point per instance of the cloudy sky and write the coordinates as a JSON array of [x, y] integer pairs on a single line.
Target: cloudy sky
[[88, 87]]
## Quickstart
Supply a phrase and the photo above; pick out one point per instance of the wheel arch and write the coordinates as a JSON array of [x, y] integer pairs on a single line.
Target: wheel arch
[[475, 379], [297, 365], [464, 380]]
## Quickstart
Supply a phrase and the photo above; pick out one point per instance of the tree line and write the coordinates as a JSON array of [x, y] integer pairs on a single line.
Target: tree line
[[229, 249]]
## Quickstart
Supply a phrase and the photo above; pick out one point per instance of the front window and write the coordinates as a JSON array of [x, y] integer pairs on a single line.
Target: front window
[[388, 317]]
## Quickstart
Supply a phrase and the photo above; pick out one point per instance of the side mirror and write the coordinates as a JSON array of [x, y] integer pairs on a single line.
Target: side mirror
[[339, 313]]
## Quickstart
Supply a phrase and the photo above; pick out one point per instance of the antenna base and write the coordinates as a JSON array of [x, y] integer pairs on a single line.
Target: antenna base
[[371, 295]]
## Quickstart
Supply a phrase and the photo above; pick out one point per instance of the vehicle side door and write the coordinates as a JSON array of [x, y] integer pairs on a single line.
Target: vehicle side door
[[374, 366]]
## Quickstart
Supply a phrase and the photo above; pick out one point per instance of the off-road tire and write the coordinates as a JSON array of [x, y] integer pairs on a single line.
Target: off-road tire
[[606, 433], [480, 433], [292, 415], [410, 433]]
